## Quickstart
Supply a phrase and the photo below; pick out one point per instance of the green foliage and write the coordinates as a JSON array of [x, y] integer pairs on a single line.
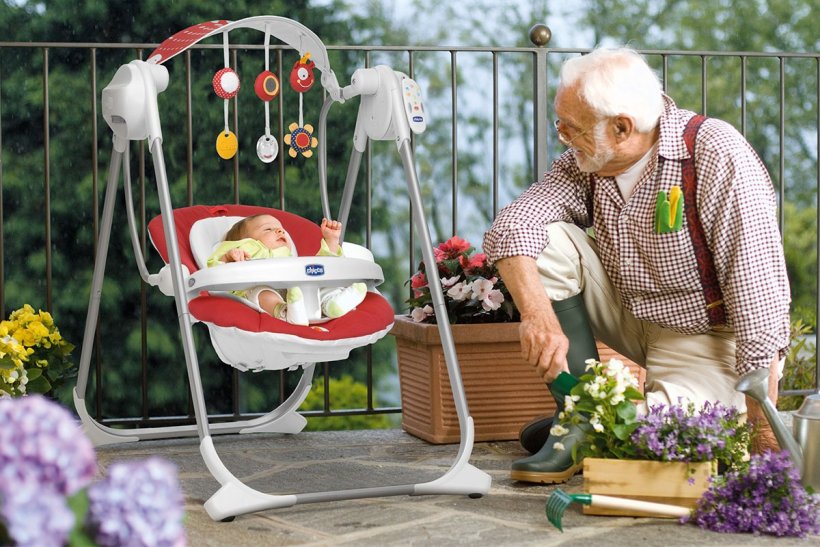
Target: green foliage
[[345, 393], [799, 371]]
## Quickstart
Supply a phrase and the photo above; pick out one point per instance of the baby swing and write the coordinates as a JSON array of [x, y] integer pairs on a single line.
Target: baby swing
[[390, 109]]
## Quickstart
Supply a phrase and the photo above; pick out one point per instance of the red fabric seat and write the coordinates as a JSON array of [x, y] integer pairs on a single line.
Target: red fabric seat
[[372, 315]]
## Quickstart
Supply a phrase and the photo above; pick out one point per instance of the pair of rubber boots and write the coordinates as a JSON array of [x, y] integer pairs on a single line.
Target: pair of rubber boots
[[548, 465]]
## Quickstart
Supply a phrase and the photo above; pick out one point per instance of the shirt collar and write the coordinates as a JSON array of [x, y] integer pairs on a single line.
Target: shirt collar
[[672, 123]]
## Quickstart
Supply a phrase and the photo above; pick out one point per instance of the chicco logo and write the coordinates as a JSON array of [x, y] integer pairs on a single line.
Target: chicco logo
[[314, 269]]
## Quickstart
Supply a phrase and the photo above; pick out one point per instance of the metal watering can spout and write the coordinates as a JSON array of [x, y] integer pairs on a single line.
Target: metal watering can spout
[[755, 384]]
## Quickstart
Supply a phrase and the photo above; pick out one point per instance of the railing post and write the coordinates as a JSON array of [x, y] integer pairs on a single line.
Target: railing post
[[540, 35]]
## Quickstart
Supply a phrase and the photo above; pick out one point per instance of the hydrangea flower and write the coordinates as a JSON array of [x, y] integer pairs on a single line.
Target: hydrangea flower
[[35, 515], [40, 442], [138, 504], [765, 499]]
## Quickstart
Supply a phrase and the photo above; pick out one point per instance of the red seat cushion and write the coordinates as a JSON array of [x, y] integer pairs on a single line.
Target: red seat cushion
[[372, 315]]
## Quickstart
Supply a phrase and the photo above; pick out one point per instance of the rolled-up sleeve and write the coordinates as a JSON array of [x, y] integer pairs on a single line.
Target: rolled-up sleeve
[[520, 228]]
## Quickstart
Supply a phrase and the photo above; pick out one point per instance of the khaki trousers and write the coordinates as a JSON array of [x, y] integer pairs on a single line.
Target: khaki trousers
[[697, 368]]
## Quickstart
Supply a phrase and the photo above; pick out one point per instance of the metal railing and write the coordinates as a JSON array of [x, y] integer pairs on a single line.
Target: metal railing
[[542, 61]]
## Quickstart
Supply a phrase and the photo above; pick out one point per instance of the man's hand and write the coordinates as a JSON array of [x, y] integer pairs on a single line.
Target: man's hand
[[763, 437], [543, 343], [331, 232]]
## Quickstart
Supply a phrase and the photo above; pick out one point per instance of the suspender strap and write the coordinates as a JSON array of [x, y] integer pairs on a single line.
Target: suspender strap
[[706, 264]]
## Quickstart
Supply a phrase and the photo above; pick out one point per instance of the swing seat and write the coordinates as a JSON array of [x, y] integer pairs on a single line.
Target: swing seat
[[246, 337]]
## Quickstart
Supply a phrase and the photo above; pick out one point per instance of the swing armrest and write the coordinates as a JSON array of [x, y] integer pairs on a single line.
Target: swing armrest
[[302, 271]]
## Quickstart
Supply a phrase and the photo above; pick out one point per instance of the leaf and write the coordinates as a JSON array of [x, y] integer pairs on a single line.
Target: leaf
[[78, 503], [627, 411], [38, 385], [34, 373], [633, 394], [624, 431]]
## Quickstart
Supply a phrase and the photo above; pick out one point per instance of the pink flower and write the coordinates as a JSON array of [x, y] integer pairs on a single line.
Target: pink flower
[[493, 300], [481, 288]]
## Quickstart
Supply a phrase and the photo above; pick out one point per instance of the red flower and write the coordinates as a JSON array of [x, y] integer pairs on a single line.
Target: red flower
[[453, 247], [417, 282], [475, 262]]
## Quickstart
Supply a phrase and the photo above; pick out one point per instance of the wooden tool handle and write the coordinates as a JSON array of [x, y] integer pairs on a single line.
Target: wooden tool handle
[[639, 505]]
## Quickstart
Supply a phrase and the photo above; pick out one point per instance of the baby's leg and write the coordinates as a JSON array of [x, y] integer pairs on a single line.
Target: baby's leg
[[337, 302], [272, 302]]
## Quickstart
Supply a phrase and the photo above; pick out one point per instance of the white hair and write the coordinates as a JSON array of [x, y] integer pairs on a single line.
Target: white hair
[[616, 81]]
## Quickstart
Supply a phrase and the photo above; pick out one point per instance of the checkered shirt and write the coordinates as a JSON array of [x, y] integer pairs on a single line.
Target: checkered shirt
[[656, 274]]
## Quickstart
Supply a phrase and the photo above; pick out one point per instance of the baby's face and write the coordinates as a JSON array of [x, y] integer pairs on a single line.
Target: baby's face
[[269, 231]]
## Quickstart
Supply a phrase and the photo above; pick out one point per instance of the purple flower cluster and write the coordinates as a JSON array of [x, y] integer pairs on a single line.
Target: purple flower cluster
[[765, 499], [44, 457], [139, 504], [34, 515], [682, 433]]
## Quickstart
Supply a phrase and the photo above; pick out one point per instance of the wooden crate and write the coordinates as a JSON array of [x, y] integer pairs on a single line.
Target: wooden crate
[[675, 483]]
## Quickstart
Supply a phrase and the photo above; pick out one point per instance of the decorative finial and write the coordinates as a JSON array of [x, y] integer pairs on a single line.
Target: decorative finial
[[540, 34]]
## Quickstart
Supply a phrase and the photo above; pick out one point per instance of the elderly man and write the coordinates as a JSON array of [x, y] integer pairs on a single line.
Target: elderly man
[[684, 272]]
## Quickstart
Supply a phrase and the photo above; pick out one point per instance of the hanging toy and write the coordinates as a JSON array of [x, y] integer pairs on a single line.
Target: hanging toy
[[226, 83], [226, 86], [300, 137], [301, 140], [227, 144], [266, 85], [301, 77]]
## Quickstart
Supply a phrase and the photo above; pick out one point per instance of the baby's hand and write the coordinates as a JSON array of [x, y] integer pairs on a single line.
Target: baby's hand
[[331, 232], [236, 255]]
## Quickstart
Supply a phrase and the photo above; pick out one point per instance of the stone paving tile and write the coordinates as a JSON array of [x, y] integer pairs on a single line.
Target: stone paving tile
[[512, 513]]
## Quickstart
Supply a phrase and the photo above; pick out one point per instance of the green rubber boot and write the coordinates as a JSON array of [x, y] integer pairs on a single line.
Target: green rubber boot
[[547, 465]]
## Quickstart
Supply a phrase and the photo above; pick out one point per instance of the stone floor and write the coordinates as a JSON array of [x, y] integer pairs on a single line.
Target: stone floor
[[512, 513]]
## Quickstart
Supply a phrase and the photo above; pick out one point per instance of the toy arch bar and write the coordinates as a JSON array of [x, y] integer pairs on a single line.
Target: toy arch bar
[[294, 34]]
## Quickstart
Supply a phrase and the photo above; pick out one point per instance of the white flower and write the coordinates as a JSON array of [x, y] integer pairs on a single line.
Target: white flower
[[481, 288], [447, 282], [598, 427], [559, 447], [420, 314], [493, 300], [558, 430], [569, 404], [459, 291]]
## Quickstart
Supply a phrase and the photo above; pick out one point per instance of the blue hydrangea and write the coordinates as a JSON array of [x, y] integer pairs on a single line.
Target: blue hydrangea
[[33, 515], [41, 443], [138, 504], [768, 498]]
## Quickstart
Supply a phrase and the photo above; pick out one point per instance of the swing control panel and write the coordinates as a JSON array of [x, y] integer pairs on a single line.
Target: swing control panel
[[413, 107]]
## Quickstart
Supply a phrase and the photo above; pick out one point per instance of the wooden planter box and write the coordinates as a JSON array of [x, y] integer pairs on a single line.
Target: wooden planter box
[[503, 391], [660, 482]]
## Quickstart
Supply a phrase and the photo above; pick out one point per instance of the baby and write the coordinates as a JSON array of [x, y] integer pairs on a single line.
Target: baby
[[262, 236]]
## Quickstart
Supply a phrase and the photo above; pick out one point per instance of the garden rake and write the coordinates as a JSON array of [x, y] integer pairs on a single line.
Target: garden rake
[[560, 500]]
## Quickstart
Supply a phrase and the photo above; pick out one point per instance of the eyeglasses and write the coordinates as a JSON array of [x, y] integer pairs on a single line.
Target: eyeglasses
[[562, 135]]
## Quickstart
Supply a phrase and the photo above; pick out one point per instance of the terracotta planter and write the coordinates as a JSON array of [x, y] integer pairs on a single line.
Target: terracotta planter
[[675, 483], [503, 391]]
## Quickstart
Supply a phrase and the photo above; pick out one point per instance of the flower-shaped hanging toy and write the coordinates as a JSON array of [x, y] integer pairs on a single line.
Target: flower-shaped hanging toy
[[301, 140]]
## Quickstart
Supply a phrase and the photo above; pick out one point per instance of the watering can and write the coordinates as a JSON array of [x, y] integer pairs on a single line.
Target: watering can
[[803, 444]]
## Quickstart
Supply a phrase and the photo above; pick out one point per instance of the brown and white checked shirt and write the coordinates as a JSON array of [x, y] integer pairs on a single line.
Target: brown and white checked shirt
[[656, 274]]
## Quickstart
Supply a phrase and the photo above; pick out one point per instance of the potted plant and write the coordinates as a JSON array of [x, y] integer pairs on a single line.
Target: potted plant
[[503, 391], [34, 357], [666, 455]]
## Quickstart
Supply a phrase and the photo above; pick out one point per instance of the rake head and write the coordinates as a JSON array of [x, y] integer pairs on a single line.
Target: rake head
[[558, 502]]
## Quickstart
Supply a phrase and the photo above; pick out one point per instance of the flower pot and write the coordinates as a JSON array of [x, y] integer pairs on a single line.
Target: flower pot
[[503, 391], [675, 483]]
